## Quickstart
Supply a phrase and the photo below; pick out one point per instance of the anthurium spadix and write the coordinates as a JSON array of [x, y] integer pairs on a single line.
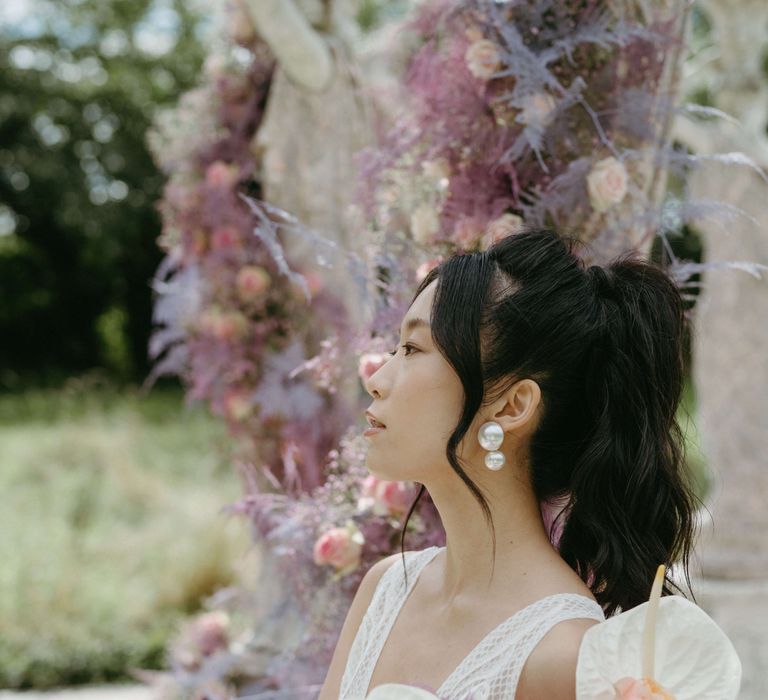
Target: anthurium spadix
[[665, 649]]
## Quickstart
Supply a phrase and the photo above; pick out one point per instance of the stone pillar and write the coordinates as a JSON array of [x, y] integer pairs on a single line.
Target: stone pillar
[[730, 341]]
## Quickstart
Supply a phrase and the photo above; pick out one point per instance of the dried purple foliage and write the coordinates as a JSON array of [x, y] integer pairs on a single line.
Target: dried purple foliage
[[234, 321], [523, 100], [290, 524], [266, 346]]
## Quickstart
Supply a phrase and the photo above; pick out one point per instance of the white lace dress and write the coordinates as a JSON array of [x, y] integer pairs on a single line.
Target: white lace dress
[[492, 669]]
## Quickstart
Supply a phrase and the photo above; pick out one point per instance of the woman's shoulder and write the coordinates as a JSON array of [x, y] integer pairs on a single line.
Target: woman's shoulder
[[380, 568], [357, 612], [410, 555], [550, 669], [377, 570]]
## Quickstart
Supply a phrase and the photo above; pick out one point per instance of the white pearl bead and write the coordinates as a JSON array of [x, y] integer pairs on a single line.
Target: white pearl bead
[[494, 461], [490, 435]]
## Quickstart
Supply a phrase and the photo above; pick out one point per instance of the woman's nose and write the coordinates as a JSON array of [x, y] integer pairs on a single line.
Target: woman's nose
[[371, 389], [373, 384]]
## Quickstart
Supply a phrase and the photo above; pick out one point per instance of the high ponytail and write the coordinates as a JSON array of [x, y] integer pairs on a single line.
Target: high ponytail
[[605, 345], [631, 503]]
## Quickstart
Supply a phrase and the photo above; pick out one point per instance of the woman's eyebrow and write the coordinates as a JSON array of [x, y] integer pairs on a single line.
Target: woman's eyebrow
[[416, 323]]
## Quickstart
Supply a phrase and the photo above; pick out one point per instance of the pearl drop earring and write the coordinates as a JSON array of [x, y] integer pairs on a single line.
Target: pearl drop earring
[[490, 436]]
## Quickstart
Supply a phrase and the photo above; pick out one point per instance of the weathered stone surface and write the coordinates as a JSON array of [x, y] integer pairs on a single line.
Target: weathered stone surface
[[741, 610]]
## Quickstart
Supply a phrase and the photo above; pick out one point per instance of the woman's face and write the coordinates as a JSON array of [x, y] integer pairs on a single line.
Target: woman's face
[[419, 398]]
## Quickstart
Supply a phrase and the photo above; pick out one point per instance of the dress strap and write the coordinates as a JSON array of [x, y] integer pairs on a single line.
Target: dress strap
[[570, 607], [388, 596], [493, 667], [415, 561]]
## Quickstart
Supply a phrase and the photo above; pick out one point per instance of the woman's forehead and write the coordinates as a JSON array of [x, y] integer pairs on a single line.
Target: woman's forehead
[[421, 308]]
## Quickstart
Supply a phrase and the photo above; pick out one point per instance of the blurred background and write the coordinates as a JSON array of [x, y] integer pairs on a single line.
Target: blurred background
[[98, 475]]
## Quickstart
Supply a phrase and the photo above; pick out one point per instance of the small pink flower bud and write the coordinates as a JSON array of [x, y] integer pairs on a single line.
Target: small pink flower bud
[[423, 269], [221, 176], [369, 363], [252, 282], [225, 237], [237, 405]]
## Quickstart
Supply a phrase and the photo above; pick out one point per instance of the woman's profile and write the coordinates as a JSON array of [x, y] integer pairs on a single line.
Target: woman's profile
[[522, 376]]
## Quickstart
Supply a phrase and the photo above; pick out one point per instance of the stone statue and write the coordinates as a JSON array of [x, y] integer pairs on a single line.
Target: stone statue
[[317, 118]]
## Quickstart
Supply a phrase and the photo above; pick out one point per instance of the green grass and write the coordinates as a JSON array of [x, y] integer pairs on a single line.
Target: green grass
[[109, 529]]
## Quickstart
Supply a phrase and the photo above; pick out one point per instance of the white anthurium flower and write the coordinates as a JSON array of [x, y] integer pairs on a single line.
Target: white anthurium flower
[[665, 649]]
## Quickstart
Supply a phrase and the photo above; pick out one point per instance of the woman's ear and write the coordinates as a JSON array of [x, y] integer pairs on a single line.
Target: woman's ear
[[518, 409]]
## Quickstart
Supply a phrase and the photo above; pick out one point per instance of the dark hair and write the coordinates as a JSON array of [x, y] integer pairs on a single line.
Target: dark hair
[[605, 345]]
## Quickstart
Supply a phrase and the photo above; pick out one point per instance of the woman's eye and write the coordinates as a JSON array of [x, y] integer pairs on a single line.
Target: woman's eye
[[407, 346]]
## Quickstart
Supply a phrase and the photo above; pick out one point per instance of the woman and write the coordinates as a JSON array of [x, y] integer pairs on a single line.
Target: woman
[[522, 377]]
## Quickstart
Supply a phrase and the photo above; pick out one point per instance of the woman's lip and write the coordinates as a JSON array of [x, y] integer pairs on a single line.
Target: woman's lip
[[372, 431]]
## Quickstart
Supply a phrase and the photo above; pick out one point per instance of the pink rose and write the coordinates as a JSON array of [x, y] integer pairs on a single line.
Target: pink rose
[[209, 320], [252, 282], [209, 632], [385, 497], [473, 33], [607, 183], [395, 496], [229, 325], [482, 58], [423, 269], [369, 363], [340, 547], [504, 226], [220, 175], [537, 109], [232, 326], [640, 689]]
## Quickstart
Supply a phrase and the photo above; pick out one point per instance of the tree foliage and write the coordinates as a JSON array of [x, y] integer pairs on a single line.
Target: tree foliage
[[79, 83]]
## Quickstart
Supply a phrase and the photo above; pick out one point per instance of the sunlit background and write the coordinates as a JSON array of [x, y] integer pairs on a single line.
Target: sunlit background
[[110, 531]]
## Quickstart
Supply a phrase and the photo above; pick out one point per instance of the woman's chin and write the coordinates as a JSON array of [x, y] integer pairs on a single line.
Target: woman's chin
[[380, 471]]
